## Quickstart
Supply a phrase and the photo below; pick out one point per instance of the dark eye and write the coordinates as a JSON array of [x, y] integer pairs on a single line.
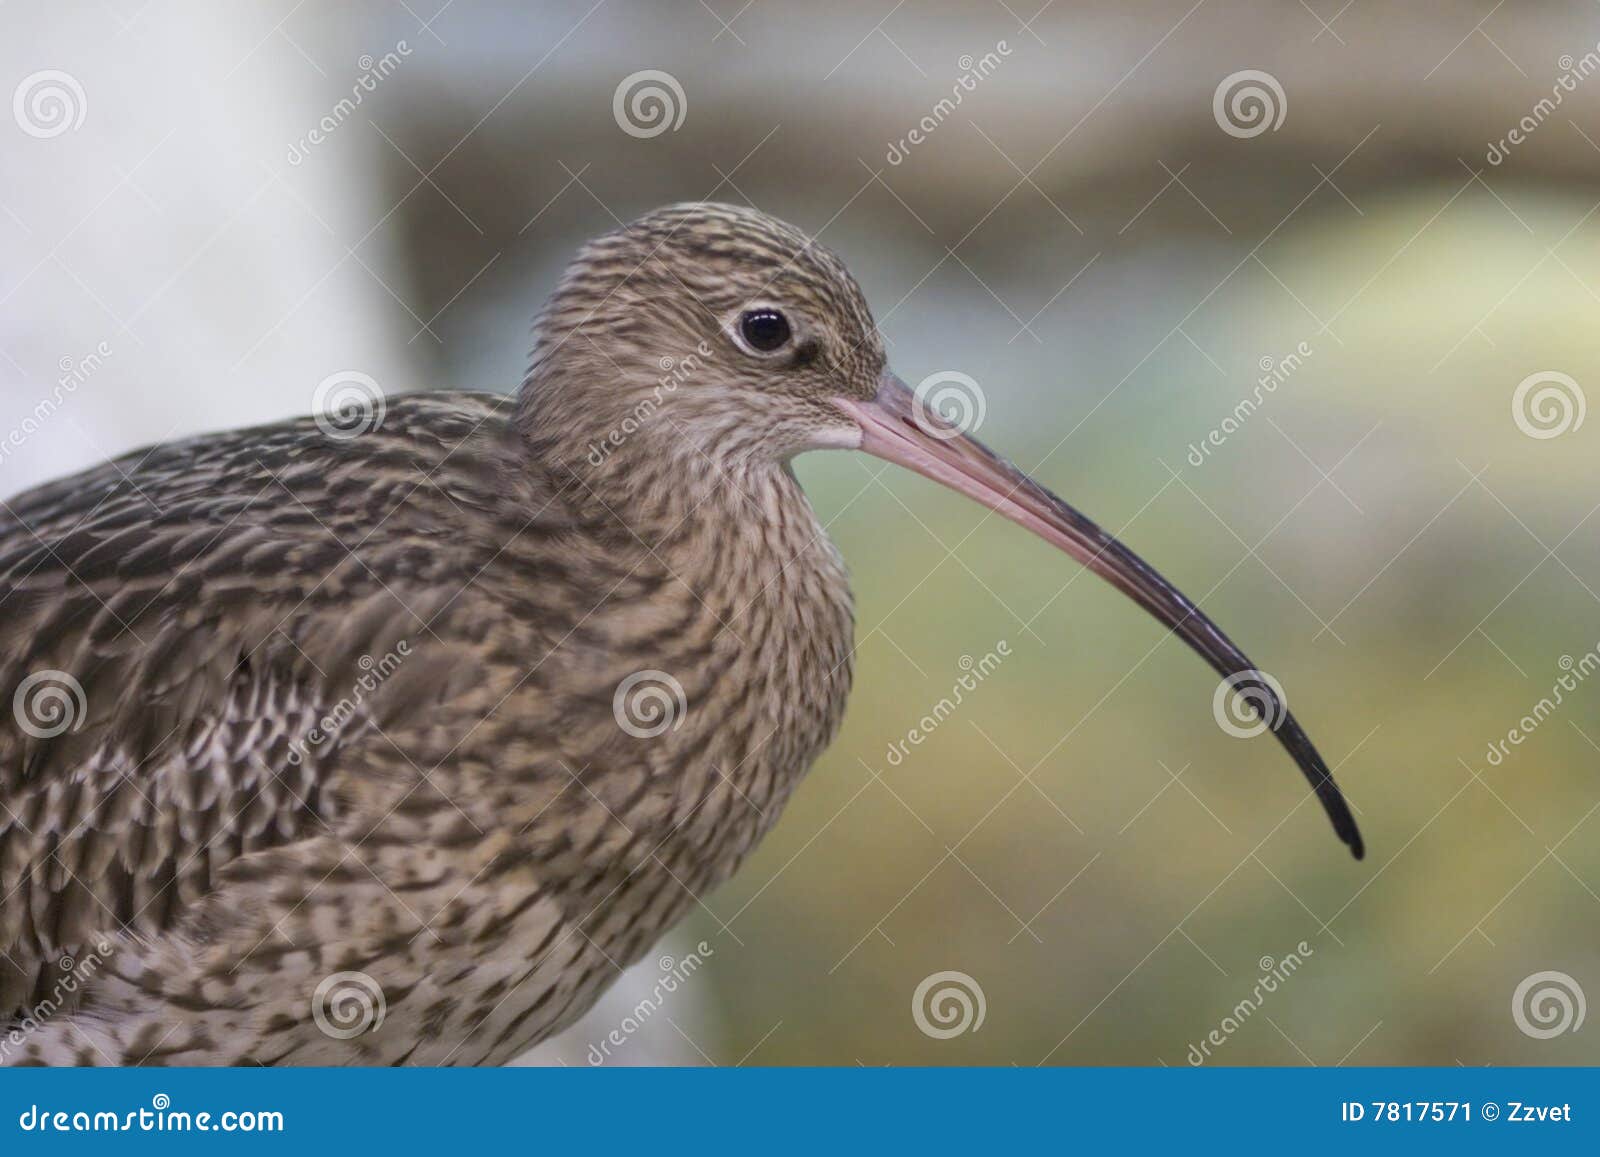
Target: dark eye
[[764, 329]]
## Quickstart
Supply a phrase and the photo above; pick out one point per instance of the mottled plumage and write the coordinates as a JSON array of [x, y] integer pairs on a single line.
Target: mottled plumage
[[356, 696], [482, 837]]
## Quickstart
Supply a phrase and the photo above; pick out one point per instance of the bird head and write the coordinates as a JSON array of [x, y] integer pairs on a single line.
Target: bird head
[[702, 330], [707, 340]]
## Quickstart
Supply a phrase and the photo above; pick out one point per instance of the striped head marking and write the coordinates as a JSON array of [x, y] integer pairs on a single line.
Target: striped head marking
[[708, 326]]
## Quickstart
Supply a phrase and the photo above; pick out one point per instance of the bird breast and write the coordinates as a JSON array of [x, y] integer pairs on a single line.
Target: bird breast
[[746, 679]]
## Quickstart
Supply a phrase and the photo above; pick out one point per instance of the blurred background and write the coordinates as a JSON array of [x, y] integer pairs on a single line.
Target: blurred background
[[206, 210]]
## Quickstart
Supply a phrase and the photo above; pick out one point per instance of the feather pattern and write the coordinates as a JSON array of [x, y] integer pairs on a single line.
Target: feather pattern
[[330, 706]]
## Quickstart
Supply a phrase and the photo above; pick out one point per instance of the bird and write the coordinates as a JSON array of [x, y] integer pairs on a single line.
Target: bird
[[393, 734]]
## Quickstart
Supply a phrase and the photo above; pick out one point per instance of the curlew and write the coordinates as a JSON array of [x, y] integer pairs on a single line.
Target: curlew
[[392, 736]]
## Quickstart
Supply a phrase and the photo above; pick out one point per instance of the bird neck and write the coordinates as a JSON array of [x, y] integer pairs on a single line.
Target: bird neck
[[652, 467], [747, 607], [701, 510]]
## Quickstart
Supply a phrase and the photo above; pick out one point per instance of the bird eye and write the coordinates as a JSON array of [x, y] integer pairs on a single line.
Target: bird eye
[[764, 330]]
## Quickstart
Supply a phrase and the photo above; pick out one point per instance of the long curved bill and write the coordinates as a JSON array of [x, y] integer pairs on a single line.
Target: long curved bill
[[897, 427]]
